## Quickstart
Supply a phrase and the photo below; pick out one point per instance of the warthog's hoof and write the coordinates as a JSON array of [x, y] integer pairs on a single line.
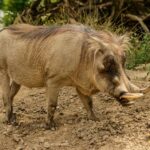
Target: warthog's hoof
[[50, 126], [10, 120], [93, 118]]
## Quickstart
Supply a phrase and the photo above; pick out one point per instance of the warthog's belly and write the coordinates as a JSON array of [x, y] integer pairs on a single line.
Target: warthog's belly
[[27, 76]]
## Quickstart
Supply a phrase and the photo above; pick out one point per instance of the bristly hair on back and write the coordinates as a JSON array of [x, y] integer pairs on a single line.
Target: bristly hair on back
[[31, 32]]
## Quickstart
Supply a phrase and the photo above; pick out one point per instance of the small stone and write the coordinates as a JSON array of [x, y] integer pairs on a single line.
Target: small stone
[[148, 125], [105, 137], [72, 100], [8, 130], [83, 121], [16, 138], [4, 133], [70, 121], [65, 129], [35, 147], [66, 142], [92, 143], [57, 107], [20, 147], [46, 145], [61, 114], [24, 133], [53, 128], [4, 111], [80, 108], [41, 139]]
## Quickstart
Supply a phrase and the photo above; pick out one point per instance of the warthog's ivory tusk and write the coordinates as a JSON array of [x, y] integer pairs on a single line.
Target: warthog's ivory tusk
[[131, 96]]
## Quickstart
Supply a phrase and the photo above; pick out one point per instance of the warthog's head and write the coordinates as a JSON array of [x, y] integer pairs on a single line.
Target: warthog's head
[[109, 67]]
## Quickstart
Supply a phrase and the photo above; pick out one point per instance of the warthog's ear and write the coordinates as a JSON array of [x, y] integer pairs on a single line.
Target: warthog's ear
[[124, 41], [96, 44]]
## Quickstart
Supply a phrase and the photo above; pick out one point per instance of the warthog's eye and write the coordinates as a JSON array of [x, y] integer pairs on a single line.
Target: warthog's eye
[[111, 66]]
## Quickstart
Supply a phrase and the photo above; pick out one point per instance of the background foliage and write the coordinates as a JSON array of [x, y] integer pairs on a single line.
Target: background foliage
[[116, 15], [139, 52], [11, 8]]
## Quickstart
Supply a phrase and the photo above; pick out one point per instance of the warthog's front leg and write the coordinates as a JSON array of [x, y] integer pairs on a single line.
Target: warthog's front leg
[[52, 96], [88, 104]]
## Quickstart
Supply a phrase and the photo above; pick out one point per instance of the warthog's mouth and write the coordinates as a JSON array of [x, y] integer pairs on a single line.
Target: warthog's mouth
[[128, 98]]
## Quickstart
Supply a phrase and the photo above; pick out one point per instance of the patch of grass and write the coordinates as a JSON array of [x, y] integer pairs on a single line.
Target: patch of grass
[[139, 53]]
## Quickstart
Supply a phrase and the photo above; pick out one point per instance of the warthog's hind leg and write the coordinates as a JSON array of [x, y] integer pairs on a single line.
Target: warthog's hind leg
[[8, 94], [5, 95], [52, 95], [14, 88], [88, 104]]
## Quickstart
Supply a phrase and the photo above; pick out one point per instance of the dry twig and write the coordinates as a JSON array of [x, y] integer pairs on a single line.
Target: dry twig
[[139, 19]]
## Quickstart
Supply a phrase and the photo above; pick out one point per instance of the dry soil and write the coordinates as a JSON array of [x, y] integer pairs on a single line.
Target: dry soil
[[119, 128]]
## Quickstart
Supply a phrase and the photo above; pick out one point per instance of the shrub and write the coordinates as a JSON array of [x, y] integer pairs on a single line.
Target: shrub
[[11, 8], [139, 53]]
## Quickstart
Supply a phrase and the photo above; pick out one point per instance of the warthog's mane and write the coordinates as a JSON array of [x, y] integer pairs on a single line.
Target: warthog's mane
[[30, 32]]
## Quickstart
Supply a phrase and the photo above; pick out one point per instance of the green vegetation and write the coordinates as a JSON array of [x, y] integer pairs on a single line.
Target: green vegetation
[[11, 8], [139, 53]]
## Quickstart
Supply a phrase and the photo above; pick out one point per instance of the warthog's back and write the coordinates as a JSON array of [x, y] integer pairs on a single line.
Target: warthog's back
[[31, 54]]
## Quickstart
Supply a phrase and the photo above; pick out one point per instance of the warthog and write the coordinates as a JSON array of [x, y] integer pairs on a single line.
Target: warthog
[[69, 55]]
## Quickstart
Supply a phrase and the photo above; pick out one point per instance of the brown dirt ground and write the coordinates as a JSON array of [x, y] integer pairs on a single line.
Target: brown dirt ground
[[119, 128]]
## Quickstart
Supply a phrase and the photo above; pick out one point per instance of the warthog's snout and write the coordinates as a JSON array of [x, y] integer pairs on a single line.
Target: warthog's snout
[[125, 97], [127, 93]]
